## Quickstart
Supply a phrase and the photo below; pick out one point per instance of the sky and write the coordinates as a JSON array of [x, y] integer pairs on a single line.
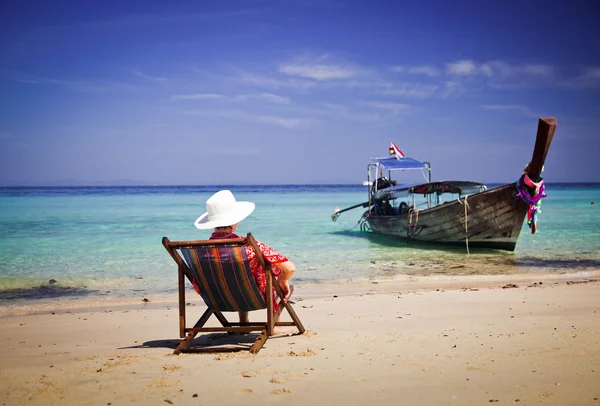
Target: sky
[[293, 91]]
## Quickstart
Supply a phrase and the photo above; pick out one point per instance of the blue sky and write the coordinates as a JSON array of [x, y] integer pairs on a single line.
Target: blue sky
[[300, 91]]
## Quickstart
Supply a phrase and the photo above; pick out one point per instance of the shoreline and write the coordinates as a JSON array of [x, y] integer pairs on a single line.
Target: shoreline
[[304, 289]]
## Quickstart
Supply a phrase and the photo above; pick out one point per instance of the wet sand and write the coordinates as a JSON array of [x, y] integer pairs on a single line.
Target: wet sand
[[511, 340]]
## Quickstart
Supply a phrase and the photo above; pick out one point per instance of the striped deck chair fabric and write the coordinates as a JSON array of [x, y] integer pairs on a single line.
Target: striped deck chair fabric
[[224, 277]]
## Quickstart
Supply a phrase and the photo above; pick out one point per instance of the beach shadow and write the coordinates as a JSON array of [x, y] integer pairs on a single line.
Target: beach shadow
[[164, 343], [212, 343]]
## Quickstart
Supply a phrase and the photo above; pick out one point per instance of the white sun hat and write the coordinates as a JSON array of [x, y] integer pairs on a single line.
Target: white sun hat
[[223, 210]]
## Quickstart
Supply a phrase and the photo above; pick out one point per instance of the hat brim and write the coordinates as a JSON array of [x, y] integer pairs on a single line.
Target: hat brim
[[241, 211]]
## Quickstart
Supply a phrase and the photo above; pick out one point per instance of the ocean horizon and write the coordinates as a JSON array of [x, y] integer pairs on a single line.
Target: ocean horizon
[[134, 183]]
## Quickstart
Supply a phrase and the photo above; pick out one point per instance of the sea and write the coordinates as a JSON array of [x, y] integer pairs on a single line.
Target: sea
[[63, 244]]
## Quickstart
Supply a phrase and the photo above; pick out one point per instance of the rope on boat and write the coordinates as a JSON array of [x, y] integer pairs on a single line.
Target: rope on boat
[[410, 225], [364, 225], [466, 224]]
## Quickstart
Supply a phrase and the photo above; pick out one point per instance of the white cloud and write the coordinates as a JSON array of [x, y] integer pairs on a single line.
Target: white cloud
[[486, 70], [424, 70], [540, 70], [592, 72], [462, 67], [273, 98], [336, 107], [497, 69], [427, 70], [270, 82], [395, 108], [588, 79], [214, 113], [503, 69], [267, 97], [196, 96], [288, 123], [145, 76], [451, 90], [318, 71], [412, 90]]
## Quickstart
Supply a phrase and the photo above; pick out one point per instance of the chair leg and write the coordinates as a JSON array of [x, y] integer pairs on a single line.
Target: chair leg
[[185, 343], [260, 341], [290, 310], [275, 320], [294, 317], [224, 322], [191, 335], [202, 320]]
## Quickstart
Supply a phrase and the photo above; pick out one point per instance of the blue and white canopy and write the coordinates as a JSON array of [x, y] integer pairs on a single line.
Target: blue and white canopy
[[400, 164]]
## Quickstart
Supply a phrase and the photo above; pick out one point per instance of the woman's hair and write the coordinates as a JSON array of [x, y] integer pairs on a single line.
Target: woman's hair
[[223, 228]]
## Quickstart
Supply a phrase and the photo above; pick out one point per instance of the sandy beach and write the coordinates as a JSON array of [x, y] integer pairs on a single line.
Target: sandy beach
[[511, 340]]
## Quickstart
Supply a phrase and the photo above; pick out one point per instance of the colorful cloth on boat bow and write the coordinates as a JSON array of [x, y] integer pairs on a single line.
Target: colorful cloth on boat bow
[[531, 193]]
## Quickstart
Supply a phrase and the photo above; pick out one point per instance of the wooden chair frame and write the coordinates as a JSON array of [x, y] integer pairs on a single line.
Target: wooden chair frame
[[265, 328]]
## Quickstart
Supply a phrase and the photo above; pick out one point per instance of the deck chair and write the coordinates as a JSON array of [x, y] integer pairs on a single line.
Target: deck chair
[[221, 270]]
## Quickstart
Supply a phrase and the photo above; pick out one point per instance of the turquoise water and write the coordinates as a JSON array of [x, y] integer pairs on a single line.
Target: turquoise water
[[107, 240]]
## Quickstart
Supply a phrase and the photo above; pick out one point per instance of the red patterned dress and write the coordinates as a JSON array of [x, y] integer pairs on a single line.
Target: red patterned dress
[[270, 255]]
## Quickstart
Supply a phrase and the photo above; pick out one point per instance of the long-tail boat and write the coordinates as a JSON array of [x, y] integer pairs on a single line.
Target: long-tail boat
[[454, 212]]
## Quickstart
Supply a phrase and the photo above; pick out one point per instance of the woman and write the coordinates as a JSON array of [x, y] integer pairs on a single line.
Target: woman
[[223, 213]]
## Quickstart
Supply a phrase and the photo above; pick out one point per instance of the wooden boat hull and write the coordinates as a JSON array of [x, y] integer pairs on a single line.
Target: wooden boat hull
[[494, 219]]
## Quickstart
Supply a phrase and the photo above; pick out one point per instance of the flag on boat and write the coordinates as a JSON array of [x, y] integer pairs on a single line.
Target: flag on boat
[[394, 150]]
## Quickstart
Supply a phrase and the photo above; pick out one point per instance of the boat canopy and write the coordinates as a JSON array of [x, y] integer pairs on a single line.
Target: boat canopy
[[451, 186], [400, 164]]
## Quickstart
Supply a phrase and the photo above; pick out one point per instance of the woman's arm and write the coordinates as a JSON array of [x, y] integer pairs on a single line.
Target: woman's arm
[[287, 271]]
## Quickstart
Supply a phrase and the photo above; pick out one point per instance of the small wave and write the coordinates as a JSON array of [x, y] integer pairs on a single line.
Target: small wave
[[44, 292]]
